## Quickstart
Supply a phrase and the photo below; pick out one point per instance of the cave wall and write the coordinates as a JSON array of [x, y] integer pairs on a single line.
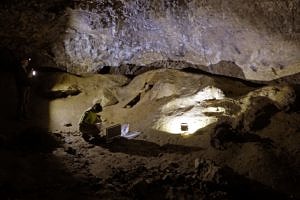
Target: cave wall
[[251, 39], [30, 28]]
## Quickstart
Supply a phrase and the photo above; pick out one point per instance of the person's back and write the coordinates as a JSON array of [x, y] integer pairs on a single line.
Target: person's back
[[89, 118], [22, 72]]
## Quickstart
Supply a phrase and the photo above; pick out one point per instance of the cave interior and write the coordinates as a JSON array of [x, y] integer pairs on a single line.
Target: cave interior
[[200, 99]]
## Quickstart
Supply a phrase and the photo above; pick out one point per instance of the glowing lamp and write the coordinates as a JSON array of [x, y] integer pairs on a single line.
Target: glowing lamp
[[33, 73], [184, 127]]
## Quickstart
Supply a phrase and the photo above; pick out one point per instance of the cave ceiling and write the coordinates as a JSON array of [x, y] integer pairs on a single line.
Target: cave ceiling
[[249, 39]]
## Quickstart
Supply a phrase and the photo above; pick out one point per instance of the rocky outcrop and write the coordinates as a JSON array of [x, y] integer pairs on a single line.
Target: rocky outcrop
[[256, 40]]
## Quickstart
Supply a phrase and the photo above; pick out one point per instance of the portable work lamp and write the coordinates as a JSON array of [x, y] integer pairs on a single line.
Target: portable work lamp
[[184, 127]]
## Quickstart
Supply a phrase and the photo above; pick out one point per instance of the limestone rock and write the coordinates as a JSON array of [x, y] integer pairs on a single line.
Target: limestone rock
[[108, 98], [248, 39]]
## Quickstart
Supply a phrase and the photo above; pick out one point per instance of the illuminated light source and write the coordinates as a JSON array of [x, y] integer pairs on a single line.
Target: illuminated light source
[[187, 115], [184, 127], [178, 125], [33, 72]]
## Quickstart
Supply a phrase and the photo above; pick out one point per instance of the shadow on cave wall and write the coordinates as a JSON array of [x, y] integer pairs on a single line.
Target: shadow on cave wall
[[30, 28], [28, 169], [36, 26]]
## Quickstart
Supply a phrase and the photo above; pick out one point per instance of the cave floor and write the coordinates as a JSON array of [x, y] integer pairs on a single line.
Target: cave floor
[[58, 164]]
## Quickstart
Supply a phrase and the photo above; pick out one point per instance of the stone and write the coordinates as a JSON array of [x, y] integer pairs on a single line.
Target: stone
[[257, 40], [108, 98]]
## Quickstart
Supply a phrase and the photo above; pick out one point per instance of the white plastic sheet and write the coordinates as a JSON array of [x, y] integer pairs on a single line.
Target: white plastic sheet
[[128, 134]]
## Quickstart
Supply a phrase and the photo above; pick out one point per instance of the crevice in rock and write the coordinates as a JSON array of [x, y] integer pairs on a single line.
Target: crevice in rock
[[263, 117], [134, 101]]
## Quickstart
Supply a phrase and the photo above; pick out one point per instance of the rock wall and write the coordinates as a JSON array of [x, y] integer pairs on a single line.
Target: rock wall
[[30, 28], [261, 39]]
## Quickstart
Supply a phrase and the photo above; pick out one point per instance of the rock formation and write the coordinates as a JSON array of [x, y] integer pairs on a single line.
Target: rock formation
[[256, 40]]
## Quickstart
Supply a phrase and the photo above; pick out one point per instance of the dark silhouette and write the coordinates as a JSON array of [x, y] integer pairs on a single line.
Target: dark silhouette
[[90, 122], [23, 77]]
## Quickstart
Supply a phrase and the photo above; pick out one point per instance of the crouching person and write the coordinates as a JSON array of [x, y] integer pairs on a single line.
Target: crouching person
[[90, 124]]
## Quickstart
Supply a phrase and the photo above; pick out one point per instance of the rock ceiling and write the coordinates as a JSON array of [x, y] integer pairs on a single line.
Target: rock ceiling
[[256, 40]]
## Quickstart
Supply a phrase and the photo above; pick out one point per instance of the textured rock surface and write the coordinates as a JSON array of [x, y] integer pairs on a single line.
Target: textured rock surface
[[249, 39], [269, 156]]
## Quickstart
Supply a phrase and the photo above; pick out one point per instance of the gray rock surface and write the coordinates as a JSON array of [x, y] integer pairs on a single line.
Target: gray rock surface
[[258, 40]]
